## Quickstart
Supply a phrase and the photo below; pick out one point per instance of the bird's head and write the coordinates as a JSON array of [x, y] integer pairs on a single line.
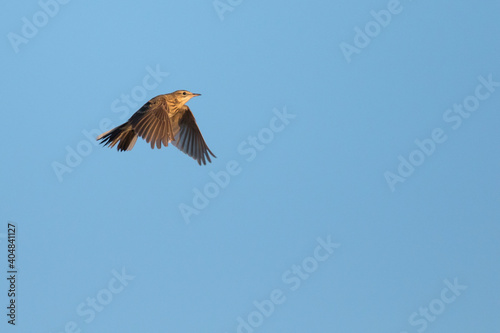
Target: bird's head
[[182, 96]]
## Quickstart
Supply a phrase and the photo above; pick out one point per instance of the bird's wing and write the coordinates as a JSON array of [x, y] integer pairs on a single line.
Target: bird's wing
[[188, 137], [151, 122]]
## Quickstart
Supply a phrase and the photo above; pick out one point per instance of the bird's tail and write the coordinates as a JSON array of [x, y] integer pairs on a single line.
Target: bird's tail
[[124, 135]]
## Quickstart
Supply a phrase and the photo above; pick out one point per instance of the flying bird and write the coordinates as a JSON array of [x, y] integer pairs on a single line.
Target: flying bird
[[165, 118]]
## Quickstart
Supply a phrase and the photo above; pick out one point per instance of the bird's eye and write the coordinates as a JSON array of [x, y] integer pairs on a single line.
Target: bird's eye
[[184, 93]]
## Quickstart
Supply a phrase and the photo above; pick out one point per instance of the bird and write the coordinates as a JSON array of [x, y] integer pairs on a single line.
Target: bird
[[163, 119]]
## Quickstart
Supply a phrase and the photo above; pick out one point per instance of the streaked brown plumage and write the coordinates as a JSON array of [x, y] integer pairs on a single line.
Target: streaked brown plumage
[[164, 119]]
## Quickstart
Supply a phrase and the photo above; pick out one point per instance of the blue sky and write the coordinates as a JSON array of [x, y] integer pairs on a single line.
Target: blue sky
[[355, 189]]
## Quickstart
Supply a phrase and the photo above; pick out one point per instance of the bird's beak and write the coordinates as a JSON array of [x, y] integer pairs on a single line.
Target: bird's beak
[[194, 95]]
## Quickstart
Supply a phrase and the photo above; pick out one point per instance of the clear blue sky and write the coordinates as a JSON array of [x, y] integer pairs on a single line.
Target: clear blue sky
[[356, 186]]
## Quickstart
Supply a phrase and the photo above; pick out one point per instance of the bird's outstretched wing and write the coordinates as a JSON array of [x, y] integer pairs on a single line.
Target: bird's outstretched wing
[[188, 137], [151, 122]]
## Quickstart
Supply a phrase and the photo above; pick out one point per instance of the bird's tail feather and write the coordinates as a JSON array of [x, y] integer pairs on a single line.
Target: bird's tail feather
[[123, 135]]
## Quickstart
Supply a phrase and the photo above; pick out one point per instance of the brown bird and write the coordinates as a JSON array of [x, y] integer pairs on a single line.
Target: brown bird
[[164, 119]]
